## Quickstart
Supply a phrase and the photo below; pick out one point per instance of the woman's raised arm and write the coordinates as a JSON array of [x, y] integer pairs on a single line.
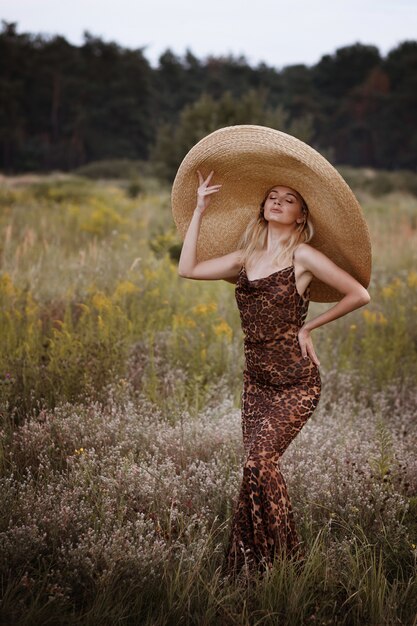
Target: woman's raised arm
[[223, 267]]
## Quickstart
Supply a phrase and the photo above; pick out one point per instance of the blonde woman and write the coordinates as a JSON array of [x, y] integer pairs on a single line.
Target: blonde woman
[[276, 270], [272, 267]]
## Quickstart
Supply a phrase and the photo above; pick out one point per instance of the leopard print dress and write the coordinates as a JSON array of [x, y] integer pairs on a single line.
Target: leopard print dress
[[281, 389]]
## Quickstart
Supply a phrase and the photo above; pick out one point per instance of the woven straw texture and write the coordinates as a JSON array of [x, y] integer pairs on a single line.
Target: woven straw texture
[[249, 159]]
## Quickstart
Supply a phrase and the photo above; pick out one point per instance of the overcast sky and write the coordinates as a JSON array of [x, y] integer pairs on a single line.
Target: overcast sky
[[276, 32]]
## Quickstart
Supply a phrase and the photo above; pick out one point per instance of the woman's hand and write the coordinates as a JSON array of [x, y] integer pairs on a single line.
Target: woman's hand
[[203, 191], [306, 345]]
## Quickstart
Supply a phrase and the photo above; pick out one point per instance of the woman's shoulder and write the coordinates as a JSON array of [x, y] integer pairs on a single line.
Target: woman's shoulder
[[304, 252], [309, 257], [303, 257]]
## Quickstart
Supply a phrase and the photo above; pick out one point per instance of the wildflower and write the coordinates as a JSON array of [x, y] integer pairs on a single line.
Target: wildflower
[[412, 279], [101, 302], [223, 328], [374, 317], [368, 316], [6, 285], [149, 274], [8, 379], [388, 292], [183, 321], [203, 309], [381, 319], [125, 288], [84, 308], [79, 451], [353, 327]]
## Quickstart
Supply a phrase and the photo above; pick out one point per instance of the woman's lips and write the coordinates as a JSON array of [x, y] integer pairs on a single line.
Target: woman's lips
[[276, 210]]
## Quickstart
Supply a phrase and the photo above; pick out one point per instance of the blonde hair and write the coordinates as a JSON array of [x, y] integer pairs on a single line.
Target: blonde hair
[[254, 238]]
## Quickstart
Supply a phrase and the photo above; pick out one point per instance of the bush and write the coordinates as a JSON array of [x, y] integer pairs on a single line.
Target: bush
[[379, 182], [112, 168]]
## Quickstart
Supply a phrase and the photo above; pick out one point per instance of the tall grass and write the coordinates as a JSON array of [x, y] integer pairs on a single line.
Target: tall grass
[[121, 444], [119, 513], [90, 294]]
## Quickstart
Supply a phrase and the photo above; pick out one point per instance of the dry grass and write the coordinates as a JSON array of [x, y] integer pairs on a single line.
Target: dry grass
[[121, 444]]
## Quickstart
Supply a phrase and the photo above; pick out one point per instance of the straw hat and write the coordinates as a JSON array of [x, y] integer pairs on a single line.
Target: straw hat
[[249, 159]]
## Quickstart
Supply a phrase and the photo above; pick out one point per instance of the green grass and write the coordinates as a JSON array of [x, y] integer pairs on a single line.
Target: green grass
[[121, 446]]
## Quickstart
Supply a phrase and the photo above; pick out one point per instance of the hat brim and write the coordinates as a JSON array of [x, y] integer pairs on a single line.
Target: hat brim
[[248, 160]]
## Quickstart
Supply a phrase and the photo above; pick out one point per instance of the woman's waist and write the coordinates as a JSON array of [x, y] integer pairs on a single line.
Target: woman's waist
[[272, 337]]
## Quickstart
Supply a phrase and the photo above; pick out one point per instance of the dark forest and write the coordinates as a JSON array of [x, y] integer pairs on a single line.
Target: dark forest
[[64, 106]]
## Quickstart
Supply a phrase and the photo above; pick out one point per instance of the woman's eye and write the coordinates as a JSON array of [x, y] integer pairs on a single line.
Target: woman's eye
[[288, 200]]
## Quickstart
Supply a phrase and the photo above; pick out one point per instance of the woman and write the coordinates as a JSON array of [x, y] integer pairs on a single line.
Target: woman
[[272, 267]]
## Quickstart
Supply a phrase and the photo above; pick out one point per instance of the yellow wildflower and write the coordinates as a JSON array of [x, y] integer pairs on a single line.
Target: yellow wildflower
[[101, 302], [412, 279], [182, 321], [203, 309], [381, 319], [125, 288], [392, 288], [223, 328], [368, 316], [84, 308], [374, 317], [6, 285], [149, 274], [388, 292]]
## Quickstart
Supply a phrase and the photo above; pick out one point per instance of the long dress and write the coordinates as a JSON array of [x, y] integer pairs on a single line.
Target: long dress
[[281, 389]]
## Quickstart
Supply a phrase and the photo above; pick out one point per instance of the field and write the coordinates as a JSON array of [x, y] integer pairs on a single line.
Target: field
[[121, 446]]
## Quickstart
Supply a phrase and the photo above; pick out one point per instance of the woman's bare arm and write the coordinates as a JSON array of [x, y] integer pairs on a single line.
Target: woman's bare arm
[[324, 269], [328, 272], [223, 267]]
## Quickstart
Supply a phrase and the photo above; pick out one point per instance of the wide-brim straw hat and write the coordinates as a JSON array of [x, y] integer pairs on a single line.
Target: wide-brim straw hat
[[248, 160]]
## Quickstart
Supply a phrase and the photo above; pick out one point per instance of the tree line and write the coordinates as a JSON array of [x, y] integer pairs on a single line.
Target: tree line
[[63, 106]]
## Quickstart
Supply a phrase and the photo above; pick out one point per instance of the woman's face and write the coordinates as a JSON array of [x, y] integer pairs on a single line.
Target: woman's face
[[283, 205]]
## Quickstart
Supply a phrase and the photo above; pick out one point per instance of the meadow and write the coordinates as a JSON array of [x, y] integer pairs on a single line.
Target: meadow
[[121, 450]]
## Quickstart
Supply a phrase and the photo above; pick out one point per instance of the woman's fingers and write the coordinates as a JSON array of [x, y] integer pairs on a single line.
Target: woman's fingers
[[313, 354], [208, 190], [207, 180], [307, 349], [302, 342], [213, 188], [204, 190]]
